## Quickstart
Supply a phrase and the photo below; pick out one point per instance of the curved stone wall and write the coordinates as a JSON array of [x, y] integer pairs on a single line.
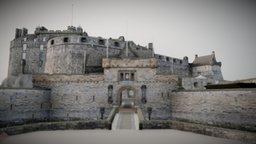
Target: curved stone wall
[[67, 55]]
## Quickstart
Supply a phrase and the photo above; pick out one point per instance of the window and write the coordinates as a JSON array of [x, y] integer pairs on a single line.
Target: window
[[41, 106], [143, 94], [132, 76], [127, 75], [24, 47], [65, 39], [101, 42], [35, 40], [180, 61], [110, 94], [41, 47], [52, 42], [174, 60], [44, 39], [195, 84], [25, 39], [76, 98], [83, 40], [116, 44], [167, 59], [23, 55], [11, 107]]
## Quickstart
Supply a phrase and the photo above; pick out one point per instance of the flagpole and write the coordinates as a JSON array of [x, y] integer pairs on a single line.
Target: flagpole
[[107, 48]]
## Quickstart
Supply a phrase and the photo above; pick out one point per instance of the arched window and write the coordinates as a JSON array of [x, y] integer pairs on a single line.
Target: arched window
[[110, 94], [65, 39], [52, 42], [143, 94]]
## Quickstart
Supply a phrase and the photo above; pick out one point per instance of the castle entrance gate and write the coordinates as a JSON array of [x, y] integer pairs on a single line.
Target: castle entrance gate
[[126, 97]]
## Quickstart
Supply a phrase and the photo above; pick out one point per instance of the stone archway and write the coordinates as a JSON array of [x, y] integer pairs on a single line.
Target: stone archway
[[126, 97]]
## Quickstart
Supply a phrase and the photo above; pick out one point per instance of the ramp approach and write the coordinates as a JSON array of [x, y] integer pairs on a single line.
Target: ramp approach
[[126, 119]]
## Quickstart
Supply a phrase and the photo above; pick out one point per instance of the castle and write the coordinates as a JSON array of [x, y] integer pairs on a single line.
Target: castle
[[69, 75]]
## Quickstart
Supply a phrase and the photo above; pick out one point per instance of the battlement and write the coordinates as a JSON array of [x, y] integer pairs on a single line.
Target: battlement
[[70, 30]]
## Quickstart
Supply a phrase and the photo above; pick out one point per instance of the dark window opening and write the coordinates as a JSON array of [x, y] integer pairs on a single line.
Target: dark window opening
[[11, 107], [83, 40], [76, 98], [160, 57], [180, 61], [52, 42], [162, 94], [110, 94], [195, 84], [121, 76], [41, 106], [116, 44], [143, 94], [174, 60], [101, 42], [132, 76], [65, 39], [167, 59]]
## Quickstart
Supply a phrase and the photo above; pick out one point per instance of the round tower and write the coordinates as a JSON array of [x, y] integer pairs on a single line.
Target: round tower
[[71, 55]]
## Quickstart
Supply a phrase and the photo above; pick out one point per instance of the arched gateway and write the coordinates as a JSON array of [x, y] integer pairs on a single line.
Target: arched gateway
[[127, 97]]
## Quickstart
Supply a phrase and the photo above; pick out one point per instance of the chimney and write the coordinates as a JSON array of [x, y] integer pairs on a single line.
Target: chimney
[[150, 45], [17, 33], [24, 32]]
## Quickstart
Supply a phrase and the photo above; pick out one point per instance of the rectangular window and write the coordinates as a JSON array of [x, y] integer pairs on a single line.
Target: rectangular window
[[41, 47], [132, 76], [24, 55], [11, 107], [127, 75], [44, 39], [121, 76], [35, 40], [25, 39], [24, 47]]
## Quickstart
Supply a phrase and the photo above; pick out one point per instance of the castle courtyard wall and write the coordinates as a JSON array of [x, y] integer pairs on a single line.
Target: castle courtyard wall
[[225, 108], [22, 105]]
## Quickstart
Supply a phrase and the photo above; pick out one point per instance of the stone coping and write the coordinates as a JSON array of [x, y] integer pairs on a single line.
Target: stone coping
[[208, 90], [249, 137]]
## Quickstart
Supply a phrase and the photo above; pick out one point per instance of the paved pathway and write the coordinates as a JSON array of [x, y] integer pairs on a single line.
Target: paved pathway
[[126, 120]]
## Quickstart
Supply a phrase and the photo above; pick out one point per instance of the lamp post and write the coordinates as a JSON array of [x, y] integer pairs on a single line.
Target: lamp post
[[102, 111], [149, 110]]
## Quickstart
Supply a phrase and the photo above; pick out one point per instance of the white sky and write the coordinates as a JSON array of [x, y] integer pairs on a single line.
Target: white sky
[[177, 28]]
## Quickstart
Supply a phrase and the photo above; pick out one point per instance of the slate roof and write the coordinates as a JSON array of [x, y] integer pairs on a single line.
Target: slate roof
[[205, 60]]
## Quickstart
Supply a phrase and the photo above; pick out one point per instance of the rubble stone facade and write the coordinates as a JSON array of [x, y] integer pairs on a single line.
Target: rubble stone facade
[[71, 75]]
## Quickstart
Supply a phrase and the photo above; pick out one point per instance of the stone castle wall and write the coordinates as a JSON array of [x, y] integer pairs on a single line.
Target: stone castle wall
[[224, 108], [174, 66], [212, 72], [21, 105]]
